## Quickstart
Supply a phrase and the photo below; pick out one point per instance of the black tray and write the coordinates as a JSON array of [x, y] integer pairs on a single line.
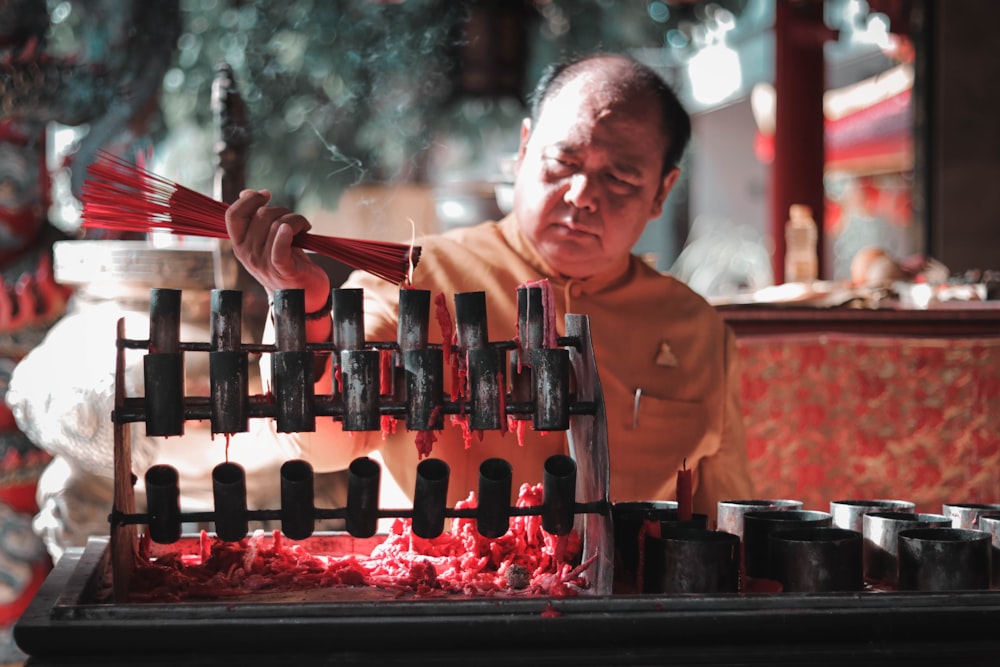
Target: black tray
[[64, 625]]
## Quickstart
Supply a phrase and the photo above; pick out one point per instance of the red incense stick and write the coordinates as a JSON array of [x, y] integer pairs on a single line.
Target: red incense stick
[[125, 197]]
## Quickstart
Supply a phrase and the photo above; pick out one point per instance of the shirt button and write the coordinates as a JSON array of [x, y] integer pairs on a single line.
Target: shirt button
[[576, 290]]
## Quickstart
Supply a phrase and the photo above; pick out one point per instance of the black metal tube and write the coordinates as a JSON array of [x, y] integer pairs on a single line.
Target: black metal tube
[[430, 497], [164, 320], [414, 316], [363, 479], [360, 380], [550, 367], [163, 376], [163, 366], [292, 384], [470, 320], [229, 488], [424, 389], [411, 334], [297, 499], [493, 511], [163, 504], [226, 323], [559, 494], [485, 386], [229, 379], [289, 311], [348, 318]]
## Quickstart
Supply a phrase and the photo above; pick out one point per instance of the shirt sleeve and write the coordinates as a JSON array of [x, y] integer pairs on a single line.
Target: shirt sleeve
[[726, 475]]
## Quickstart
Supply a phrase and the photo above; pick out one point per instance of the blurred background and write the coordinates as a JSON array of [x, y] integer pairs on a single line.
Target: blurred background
[[367, 114]]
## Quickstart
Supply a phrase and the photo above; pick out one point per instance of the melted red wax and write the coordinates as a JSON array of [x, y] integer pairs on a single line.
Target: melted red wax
[[385, 366], [551, 612], [425, 440], [443, 316], [462, 421], [549, 333], [388, 424], [459, 562], [518, 426]]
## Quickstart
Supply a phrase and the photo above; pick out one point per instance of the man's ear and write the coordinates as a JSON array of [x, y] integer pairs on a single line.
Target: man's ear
[[525, 135], [666, 185]]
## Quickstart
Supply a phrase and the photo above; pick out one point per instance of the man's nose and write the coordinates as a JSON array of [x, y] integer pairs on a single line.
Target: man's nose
[[581, 193]]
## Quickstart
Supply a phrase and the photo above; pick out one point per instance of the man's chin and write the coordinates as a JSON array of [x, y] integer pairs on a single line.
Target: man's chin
[[572, 262]]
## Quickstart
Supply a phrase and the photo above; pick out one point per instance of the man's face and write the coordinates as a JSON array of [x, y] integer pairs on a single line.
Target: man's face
[[589, 177]]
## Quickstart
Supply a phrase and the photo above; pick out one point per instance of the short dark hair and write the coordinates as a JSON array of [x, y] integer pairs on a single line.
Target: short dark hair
[[674, 119]]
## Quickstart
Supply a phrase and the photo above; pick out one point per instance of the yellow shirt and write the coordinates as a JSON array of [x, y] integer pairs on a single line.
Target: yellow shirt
[[650, 333]]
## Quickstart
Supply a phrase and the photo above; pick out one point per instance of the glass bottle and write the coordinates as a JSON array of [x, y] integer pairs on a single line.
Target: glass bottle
[[801, 262]]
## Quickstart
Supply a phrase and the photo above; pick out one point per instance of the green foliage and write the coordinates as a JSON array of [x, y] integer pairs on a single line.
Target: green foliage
[[340, 92], [337, 91]]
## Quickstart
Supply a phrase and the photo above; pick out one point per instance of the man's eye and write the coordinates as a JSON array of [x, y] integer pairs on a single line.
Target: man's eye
[[620, 181]]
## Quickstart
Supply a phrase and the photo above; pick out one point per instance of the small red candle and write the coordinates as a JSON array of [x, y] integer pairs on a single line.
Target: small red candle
[[685, 501]]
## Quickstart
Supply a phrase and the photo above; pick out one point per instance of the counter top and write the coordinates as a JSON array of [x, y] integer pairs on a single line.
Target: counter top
[[974, 318]]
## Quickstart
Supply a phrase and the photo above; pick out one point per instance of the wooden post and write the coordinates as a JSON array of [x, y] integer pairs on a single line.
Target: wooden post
[[124, 543]]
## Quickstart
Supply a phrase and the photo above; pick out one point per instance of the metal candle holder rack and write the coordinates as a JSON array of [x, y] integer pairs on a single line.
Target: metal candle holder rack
[[575, 487]]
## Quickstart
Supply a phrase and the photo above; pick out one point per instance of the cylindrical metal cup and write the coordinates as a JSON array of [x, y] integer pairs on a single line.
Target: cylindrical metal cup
[[730, 512], [229, 488], [881, 530], [364, 477], [943, 559], [297, 499], [628, 519], [559, 495], [757, 527], [430, 498], [493, 512], [849, 514], [360, 380], [348, 305], [990, 524], [163, 504], [692, 560], [814, 560], [966, 515]]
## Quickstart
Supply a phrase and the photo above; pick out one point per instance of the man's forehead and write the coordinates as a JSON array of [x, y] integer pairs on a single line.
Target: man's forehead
[[590, 103]]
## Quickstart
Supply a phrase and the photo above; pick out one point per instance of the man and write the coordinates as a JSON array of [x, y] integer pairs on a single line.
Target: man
[[596, 162]]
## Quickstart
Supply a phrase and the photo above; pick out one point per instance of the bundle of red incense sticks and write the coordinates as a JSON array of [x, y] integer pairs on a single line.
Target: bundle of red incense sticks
[[122, 196]]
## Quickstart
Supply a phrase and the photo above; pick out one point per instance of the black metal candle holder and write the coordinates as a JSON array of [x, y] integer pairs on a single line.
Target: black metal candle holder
[[555, 386]]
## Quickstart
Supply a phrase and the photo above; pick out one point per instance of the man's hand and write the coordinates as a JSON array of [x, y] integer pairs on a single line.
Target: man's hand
[[262, 239]]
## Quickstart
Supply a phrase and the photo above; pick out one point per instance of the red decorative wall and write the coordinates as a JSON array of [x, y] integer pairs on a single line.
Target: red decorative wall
[[840, 416]]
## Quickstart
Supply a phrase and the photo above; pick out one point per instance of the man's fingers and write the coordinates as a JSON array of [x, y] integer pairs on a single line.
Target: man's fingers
[[240, 214]]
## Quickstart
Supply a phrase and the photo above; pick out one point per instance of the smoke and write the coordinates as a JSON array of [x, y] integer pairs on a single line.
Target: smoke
[[338, 92]]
